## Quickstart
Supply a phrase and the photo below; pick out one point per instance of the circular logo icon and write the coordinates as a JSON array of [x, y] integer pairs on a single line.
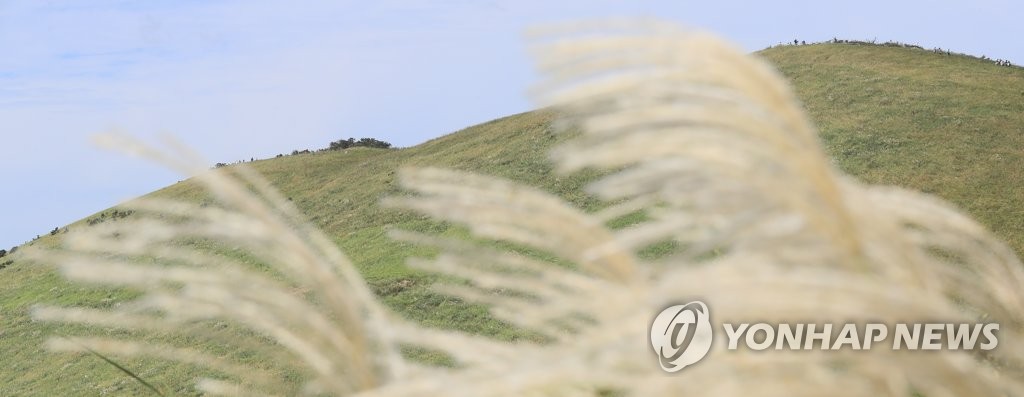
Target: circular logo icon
[[681, 335]]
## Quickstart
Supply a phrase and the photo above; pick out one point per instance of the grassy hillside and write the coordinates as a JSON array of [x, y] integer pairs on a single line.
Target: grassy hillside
[[949, 125]]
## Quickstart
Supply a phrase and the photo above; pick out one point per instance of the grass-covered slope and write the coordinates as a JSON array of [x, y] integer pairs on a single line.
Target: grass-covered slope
[[339, 192], [949, 125]]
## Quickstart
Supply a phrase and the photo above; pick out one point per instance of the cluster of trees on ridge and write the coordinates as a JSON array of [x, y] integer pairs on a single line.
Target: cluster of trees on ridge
[[340, 144]]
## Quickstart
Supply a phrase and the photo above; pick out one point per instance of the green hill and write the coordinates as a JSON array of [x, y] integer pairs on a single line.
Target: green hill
[[944, 124], [948, 125]]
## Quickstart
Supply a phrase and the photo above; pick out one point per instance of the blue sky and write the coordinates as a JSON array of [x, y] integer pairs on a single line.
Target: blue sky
[[241, 79]]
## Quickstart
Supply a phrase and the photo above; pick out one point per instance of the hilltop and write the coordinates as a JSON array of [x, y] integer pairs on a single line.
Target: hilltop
[[948, 125]]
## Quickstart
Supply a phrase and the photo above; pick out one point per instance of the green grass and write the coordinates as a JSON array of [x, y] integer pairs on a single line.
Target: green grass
[[948, 125], [952, 126]]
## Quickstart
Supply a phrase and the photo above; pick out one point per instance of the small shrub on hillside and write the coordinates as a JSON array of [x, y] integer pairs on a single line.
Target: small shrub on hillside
[[342, 144], [115, 214], [362, 142]]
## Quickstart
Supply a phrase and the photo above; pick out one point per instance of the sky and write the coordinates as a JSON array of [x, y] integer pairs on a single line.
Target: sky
[[254, 78]]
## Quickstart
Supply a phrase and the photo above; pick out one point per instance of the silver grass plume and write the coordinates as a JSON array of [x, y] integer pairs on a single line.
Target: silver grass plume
[[344, 339], [704, 146], [712, 148]]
